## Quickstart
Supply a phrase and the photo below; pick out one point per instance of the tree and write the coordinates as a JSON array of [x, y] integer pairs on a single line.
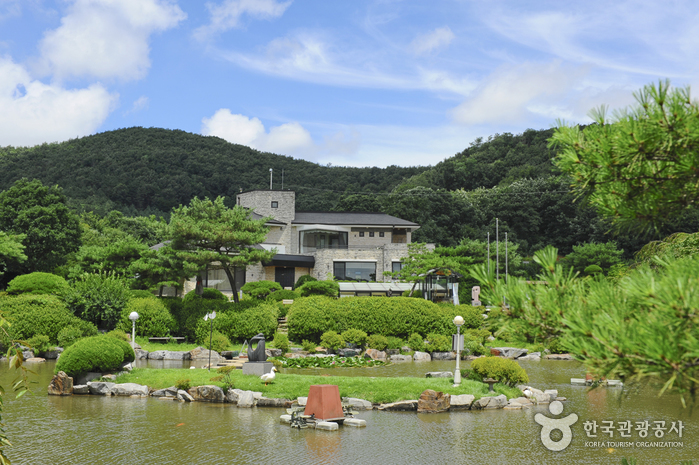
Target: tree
[[639, 167], [39, 212], [604, 255], [11, 249], [160, 268], [208, 231], [419, 261]]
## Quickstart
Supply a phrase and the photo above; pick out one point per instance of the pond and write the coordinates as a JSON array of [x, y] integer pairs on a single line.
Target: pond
[[87, 429]]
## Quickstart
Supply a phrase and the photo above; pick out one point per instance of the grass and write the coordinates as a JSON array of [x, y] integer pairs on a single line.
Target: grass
[[173, 346], [517, 344], [291, 386]]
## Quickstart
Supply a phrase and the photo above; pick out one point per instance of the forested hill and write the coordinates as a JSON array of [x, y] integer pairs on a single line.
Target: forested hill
[[140, 171]]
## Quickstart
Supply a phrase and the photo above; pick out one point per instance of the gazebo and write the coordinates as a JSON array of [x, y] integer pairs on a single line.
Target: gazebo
[[440, 284]]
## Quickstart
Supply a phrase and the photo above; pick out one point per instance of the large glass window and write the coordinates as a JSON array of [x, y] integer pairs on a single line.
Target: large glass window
[[355, 271], [217, 279], [312, 240], [396, 266]]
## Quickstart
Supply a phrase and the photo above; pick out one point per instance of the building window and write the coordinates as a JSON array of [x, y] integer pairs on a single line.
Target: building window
[[361, 233], [355, 271], [396, 266], [310, 241], [371, 234], [275, 204], [381, 234]]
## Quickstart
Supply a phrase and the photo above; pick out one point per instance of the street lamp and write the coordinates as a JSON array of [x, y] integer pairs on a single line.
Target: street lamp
[[133, 316], [210, 316], [458, 321]]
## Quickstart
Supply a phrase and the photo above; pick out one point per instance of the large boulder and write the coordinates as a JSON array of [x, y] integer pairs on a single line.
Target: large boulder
[[357, 404], [246, 399], [273, 402], [401, 358], [431, 401], [141, 354], [508, 352], [207, 393], [100, 388], [348, 352], [61, 385], [167, 392], [559, 357], [183, 396], [422, 357], [273, 352], [374, 354], [443, 355], [461, 402], [168, 355], [130, 389], [490, 402], [81, 389], [401, 406], [201, 353]]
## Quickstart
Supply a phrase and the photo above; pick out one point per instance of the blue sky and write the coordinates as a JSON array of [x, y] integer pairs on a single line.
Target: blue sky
[[355, 83]]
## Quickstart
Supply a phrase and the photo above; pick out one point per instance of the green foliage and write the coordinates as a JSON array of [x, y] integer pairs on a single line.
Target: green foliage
[[238, 325], [308, 346], [355, 336], [416, 342], [260, 289], [377, 341], [329, 362], [219, 342], [303, 279], [324, 288], [183, 384], [677, 245], [284, 294], [478, 335], [417, 294], [603, 255], [154, 320], [11, 250], [119, 334], [38, 283], [332, 340], [77, 330], [506, 371], [556, 346], [40, 344], [438, 343], [207, 293], [281, 341], [394, 342], [98, 354], [640, 165], [593, 270], [475, 348], [141, 294], [98, 298]]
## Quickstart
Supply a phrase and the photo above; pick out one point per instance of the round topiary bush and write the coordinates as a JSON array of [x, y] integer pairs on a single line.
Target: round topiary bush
[[377, 341], [284, 294], [94, 354], [504, 370], [332, 340], [38, 283], [238, 325], [326, 288], [593, 270], [208, 293], [98, 298], [281, 341], [154, 320], [416, 342], [355, 336], [219, 342], [260, 289], [438, 343], [303, 280]]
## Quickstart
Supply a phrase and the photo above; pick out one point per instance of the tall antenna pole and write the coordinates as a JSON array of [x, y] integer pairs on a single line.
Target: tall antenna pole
[[282, 178], [497, 250], [270, 179], [505, 258], [488, 258]]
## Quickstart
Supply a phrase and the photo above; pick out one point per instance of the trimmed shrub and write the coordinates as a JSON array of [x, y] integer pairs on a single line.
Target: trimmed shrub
[[326, 288], [284, 294], [475, 348], [78, 330], [98, 298], [121, 335], [191, 313], [303, 280], [281, 341], [241, 325], [38, 283], [40, 344], [309, 346], [332, 340], [438, 343], [98, 353], [153, 318], [219, 342], [355, 336], [260, 289], [416, 342], [207, 293], [377, 341], [593, 270], [141, 294], [394, 342], [478, 335], [556, 346], [506, 371], [417, 294], [183, 384]]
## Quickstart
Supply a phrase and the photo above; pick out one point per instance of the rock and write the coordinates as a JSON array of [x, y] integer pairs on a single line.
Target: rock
[[227, 354], [294, 355], [508, 352], [183, 396], [273, 402], [130, 389], [374, 354], [422, 357], [87, 377], [232, 396], [532, 356], [207, 393], [302, 401], [201, 353], [326, 425], [136, 346], [349, 352], [495, 402], [461, 402], [109, 377], [433, 402], [273, 352], [27, 354], [357, 404], [167, 392], [439, 374], [443, 355], [81, 389], [53, 354], [390, 352], [127, 367], [100, 388], [246, 399], [552, 393], [321, 350], [141, 354], [405, 349], [285, 419], [356, 422], [401, 406], [559, 399], [61, 385], [559, 357], [168, 355], [521, 401], [578, 381], [512, 407], [401, 358], [35, 360]]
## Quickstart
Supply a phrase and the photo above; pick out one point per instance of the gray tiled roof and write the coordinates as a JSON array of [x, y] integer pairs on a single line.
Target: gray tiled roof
[[352, 218], [256, 216]]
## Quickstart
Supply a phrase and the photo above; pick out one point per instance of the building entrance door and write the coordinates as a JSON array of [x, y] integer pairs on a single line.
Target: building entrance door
[[284, 275]]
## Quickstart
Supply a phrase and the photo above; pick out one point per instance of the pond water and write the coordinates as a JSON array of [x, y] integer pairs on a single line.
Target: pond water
[[89, 429]]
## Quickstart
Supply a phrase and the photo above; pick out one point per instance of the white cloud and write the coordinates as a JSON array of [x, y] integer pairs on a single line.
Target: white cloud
[[424, 44], [107, 38], [227, 15], [286, 139], [33, 112], [513, 94], [139, 104]]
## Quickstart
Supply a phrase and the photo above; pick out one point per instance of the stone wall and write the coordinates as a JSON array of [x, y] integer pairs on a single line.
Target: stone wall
[[382, 255]]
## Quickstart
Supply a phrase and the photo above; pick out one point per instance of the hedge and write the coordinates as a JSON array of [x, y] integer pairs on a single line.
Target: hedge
[[188, 313], [310, 317], [38, 283], [239, 325], [94, 354], [154, 319], [260, 289], [504, 370]]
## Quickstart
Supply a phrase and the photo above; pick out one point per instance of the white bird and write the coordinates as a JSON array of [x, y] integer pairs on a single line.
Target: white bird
[[268, 377]]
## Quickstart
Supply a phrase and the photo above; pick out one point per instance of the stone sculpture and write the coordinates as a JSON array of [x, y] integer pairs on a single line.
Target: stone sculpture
[[259, 354], [475, 293]]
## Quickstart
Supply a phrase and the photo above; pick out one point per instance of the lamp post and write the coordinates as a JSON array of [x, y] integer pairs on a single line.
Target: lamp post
[[210, 316], [458, 321], [133, 316]]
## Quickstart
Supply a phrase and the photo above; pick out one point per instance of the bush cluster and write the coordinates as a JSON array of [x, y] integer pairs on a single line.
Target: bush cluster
[[281, 341], [219, 342], [377, 341], [332, 340], [238, 325], [325, 288], [40, 344], [98, 298], [38, 283], [438, 343], [355, 336], [78, 330], [154, 319], [303, 280], [416, 342], [207, 293], [260, 289], [98, 354], [504, 370]]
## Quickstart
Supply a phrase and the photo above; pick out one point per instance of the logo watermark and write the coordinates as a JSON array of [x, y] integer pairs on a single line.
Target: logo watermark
[[548, 425]]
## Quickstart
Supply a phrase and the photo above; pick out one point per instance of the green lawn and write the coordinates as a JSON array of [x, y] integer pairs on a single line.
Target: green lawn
[[288, 386]]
